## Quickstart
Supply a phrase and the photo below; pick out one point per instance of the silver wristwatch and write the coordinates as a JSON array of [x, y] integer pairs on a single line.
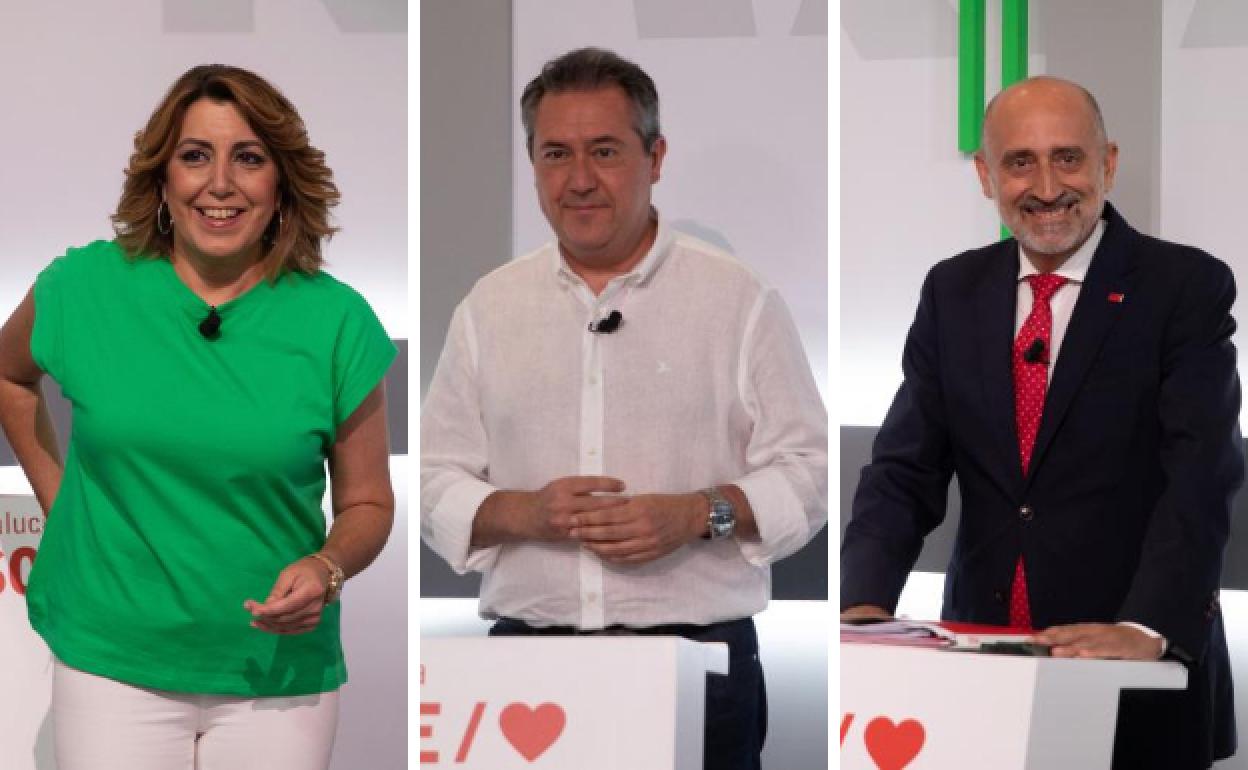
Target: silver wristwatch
[[722, 518]]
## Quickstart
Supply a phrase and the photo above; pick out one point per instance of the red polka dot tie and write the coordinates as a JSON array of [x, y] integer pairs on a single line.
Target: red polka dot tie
[[1031, 380]]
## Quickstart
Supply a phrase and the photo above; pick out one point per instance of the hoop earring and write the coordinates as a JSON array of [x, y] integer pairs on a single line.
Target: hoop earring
[[163, 230], [271, 233]]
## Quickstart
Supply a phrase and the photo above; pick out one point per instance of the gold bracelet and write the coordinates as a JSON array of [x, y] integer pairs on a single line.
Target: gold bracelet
[[336, 577]]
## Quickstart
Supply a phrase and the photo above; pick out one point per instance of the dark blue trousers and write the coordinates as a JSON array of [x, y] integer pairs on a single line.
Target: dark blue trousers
[[736, 704]]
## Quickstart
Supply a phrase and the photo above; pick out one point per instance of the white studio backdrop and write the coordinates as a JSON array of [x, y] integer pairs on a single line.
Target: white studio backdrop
[[743, 105], [1204, 119], [85, 77], [909, 198]]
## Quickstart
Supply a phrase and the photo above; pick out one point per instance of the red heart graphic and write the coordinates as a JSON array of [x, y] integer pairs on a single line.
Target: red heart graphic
[[532, 731], [893, 746]]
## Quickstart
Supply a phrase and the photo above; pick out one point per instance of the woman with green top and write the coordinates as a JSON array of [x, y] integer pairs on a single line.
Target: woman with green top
[[185, 584]]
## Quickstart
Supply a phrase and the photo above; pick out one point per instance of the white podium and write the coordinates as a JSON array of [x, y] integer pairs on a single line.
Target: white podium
[[26, 664], [925, 709], [565, 703]]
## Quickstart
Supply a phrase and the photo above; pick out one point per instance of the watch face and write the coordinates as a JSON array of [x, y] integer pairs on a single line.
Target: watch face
[[334, 589], [723, 519]]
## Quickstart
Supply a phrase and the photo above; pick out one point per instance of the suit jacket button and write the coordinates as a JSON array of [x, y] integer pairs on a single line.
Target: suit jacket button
[[1026, 513], [998, 596]]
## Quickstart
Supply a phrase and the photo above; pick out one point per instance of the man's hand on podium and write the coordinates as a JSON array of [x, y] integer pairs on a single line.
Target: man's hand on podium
[[860, 611], [1100, 640]]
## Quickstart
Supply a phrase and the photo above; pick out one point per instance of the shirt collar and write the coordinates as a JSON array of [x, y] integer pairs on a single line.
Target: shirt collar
[[663, 238], [1073, 269]]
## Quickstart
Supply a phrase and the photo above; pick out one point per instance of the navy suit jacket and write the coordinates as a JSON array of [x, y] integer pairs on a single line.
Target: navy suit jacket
[[1124, 512]]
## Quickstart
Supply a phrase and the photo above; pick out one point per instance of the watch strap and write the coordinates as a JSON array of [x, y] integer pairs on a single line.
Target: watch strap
[[721, 518]]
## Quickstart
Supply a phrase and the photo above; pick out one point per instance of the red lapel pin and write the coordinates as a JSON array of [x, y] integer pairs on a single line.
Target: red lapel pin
[[1116, 297]]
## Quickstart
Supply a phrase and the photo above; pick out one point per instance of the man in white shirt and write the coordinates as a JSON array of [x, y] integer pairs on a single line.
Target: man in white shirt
[[623, 432]]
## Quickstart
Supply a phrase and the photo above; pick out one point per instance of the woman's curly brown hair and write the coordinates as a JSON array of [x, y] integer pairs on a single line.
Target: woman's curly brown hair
[[305, 186]]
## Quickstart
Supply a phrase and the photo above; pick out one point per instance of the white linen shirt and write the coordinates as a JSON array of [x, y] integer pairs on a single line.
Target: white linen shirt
[[704, 383]]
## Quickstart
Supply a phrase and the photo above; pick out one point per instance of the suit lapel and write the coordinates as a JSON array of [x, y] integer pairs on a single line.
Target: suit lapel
[[995, 300], [1093, 317]]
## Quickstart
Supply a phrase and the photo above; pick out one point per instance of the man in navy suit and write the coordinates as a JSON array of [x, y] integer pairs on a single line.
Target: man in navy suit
[[1079, 381]]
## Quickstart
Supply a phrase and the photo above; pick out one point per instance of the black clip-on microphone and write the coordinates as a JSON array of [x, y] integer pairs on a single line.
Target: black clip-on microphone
[[210, 327], [608, 324], [1034, 354]]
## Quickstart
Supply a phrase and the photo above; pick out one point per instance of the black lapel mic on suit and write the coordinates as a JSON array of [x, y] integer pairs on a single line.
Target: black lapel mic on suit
[[1034, 354], [210, 327], [607, 325]]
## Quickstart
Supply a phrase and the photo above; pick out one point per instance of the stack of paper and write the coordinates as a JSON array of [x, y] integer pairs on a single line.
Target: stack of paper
[[944, 634]]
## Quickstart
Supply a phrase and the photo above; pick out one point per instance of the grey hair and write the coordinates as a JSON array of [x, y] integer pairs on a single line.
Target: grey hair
[[587, 69], [1098, 120]]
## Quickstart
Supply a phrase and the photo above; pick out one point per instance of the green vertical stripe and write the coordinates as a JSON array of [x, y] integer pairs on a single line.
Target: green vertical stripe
[[1013, 41], [970, 73]]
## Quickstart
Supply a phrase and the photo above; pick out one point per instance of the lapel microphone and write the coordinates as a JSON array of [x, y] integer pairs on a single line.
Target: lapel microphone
[[607, 325], [210, 327], [1034, 354]]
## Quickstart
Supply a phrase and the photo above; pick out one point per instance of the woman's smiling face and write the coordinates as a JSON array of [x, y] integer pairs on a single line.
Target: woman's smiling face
[[220, 185]]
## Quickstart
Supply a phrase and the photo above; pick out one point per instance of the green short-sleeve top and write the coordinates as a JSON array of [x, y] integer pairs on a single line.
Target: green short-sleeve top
[[195, 470]]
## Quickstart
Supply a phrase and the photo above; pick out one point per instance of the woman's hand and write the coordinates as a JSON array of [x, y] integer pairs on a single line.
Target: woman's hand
[[294, 605]]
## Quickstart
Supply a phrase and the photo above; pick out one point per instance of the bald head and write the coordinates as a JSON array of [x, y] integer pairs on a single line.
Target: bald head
[[1047, 164], [1048, 87]]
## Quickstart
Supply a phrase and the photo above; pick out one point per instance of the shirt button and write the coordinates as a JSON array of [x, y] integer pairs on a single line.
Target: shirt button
[[592, 452], [591, 597], [593, 379], [1026, 513]]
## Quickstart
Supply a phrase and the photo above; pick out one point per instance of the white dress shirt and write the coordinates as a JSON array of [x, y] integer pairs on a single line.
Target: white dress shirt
[[704, 383], [1074, 270]]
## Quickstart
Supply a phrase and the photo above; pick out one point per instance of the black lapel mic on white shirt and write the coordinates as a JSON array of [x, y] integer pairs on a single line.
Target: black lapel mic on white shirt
[[1034, 354], [210, 327], [607, 325]]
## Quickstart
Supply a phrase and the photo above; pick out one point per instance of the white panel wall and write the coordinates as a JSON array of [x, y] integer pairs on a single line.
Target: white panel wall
[[908, 197], [1204, 114], [84, 77]]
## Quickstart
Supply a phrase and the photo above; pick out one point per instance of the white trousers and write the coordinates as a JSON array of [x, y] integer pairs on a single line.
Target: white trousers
[[103, 724]]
